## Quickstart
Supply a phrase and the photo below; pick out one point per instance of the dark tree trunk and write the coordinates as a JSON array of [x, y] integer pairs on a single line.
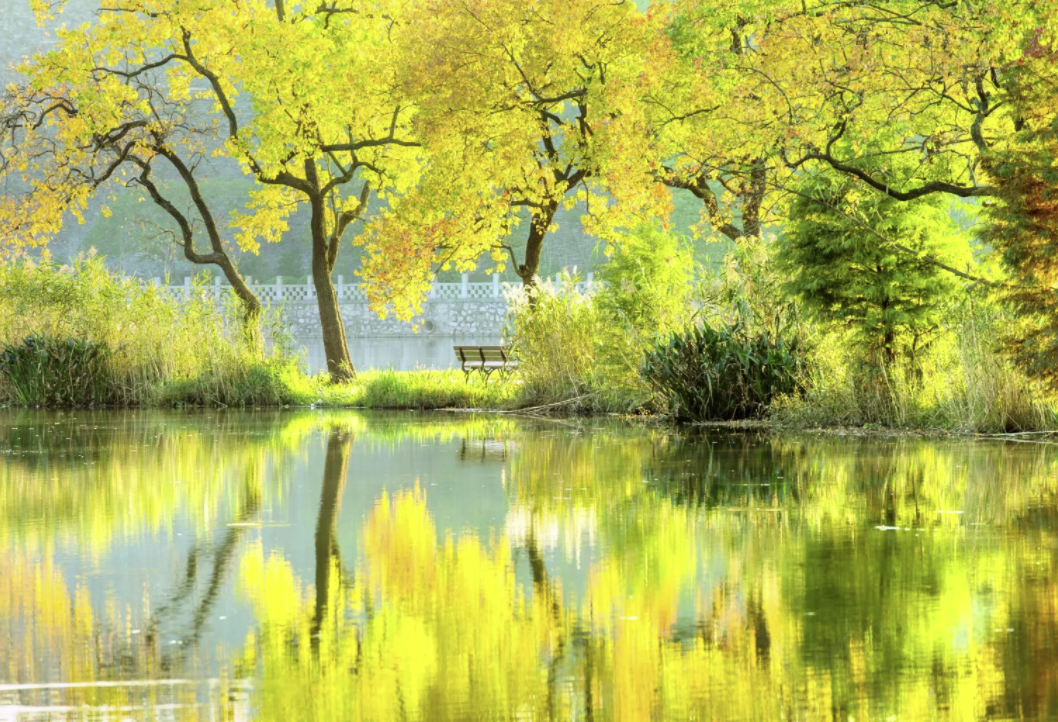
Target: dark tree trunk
[[888, 339], [752, 200], [335, 470], [335, 345], [750, 193], [890, 349], [251, 305], [530, 270]]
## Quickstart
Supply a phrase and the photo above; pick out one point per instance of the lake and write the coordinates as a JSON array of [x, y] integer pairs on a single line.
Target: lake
[[348, 566], [400, 353]]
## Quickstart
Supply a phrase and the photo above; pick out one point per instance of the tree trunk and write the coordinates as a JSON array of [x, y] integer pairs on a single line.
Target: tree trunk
[[251, 320], [752, 200], [530, 270], [888, 339], [251, 307], [750, 196], [335, 346], [335, 470]]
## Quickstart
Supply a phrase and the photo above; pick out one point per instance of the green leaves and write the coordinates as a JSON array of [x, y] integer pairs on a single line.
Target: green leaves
[[871, 262], [724, 373]]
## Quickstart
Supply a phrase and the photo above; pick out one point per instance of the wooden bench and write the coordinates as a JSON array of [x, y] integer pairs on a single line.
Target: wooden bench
[[485, 359]]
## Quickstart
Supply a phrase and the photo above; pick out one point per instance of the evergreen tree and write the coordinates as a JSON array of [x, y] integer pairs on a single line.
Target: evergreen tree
[[866, 261]]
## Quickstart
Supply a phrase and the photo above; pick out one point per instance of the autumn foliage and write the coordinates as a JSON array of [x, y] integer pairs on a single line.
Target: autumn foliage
[[440, 135]]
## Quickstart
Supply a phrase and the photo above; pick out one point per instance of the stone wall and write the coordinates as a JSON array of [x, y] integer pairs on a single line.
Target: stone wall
[[440, 318]]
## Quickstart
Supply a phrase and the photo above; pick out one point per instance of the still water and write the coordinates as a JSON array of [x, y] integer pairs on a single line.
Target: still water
[[400, 353], [340, 566]]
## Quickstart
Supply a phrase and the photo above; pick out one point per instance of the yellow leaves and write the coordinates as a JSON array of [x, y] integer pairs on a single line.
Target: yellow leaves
[[269, 208], [44, 10]]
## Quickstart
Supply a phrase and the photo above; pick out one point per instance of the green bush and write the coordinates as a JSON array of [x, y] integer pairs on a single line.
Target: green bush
[[862, 260], [709, 374], [645, 288], [57, 373]]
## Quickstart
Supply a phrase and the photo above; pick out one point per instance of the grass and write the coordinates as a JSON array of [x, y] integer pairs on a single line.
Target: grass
[[157, 351], [164, 352], [147, 340], [965, 387], [421, 390]]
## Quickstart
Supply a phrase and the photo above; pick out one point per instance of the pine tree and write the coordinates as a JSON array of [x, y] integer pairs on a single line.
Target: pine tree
[[866, 261]]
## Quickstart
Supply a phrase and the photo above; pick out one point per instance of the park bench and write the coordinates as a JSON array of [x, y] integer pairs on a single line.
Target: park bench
[[485, 359]]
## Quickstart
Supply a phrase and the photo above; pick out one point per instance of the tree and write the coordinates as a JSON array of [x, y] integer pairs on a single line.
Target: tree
[[76, 125], [908, 97], [905, 96], [1022, 225], [869, 262], [523, 107], [303, 98], [696, 101]]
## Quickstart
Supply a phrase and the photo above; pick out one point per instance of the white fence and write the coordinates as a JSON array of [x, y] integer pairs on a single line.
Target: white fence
[[281, 291]]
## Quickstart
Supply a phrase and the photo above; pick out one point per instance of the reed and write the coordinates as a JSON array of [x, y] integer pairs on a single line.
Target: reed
[[76, 335]]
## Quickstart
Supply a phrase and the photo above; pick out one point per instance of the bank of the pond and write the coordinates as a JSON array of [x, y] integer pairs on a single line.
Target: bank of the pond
[[436, 390], [278, 384], [287, 385]]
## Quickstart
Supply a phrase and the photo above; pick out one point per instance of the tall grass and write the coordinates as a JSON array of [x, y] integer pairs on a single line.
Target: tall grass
[[80, 336], [553, 335], [560, 338], [151, 343], [582, 352], [965, 385]]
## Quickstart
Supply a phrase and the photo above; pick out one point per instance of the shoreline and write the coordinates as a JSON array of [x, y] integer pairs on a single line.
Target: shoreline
[[760, 426]]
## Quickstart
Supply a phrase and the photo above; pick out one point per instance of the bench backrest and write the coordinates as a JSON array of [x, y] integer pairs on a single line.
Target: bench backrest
[[482, 354]]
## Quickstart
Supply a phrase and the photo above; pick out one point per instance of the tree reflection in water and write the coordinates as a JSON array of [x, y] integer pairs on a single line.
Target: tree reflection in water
[[632, 574]]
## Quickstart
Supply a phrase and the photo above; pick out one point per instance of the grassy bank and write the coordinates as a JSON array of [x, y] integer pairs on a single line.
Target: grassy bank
[[79, 336], [286, 384]]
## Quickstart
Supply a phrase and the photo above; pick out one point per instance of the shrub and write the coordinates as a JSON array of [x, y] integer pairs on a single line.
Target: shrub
[[584, 350], [645, 293], [750, 291], [57, 373], [963, 385], [705, 373]]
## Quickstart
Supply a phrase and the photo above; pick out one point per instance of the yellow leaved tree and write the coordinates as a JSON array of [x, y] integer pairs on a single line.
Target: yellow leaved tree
[[302, 98], [908, 97], [523, 108]]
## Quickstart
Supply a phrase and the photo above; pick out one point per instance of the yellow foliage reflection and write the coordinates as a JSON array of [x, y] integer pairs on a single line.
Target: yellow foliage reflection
[[623, 574], [751, 580]]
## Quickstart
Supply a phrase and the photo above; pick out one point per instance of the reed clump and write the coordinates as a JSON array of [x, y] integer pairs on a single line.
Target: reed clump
[[78, 335], [964, 385]]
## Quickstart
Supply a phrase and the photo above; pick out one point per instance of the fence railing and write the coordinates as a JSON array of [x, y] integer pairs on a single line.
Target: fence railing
[[281, 291]]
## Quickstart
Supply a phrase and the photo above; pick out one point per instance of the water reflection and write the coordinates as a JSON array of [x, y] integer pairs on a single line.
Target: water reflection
[[347, 566]]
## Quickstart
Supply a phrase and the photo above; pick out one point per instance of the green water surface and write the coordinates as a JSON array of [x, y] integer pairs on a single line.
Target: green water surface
[[345, 566]]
